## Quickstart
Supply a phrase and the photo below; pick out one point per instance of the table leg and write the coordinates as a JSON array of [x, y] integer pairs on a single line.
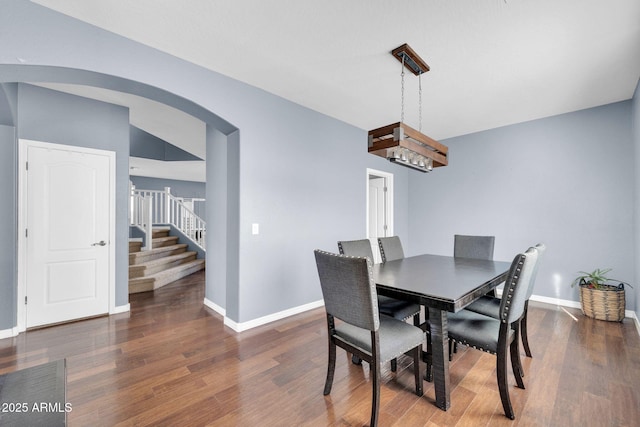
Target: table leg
[[440, 346]]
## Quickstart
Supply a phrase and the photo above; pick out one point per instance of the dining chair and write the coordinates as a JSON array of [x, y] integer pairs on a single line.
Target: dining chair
[[350, 296], [476, 247], [390, 248], [497, 336], [393, 307], [490, 306]]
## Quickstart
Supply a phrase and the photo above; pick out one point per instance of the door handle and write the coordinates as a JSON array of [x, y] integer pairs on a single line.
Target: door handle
[[100, 243]]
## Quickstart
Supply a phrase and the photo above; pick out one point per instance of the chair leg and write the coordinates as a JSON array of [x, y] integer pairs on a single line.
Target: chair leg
[[523, 332], [331, 367], [416, 369], [516, 364], [503, 386], [375, 404]]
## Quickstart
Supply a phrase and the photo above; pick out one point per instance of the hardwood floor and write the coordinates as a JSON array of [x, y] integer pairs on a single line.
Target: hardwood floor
[[171, 362]]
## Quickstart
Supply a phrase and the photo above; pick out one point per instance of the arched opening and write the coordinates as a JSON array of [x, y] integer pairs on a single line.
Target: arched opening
[[222, 177]]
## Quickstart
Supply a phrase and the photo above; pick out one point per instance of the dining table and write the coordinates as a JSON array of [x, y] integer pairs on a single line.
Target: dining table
[[443, 284]]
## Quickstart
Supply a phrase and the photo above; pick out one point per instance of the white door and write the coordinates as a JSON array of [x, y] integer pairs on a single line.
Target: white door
[[68, 220], [379, 208]]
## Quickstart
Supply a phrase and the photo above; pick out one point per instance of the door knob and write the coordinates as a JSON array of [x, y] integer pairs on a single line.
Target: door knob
[[100, 243]]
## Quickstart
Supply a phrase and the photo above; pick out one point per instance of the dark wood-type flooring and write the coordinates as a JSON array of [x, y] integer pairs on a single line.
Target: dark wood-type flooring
[[172, 362]]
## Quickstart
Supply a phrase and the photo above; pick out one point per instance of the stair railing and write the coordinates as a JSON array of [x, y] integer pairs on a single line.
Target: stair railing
[[161, 207]]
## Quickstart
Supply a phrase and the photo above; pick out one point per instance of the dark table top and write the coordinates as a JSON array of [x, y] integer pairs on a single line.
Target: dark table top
[[437, 281]]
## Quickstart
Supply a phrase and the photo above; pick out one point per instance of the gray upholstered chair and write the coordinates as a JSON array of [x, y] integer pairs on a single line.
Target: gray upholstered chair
[[390, 306], [396, 308], [350, 296], [477, 247], [490, 306], [390, 248], [497, 336]]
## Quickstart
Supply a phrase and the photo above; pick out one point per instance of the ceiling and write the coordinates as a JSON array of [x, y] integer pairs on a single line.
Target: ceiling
[[493, 62]]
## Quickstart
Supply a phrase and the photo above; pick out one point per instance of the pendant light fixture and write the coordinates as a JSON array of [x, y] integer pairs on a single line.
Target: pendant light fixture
[[400, 143]]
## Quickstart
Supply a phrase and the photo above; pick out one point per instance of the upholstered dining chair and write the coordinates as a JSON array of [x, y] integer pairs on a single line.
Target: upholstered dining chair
[[396, 308], [390, 248], [477, 247], [390, 306], [497, 336], [350, 297], [490, 306]]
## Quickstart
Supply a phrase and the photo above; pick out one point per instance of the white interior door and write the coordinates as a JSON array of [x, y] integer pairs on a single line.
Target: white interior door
[[379, 205], [68, 221]]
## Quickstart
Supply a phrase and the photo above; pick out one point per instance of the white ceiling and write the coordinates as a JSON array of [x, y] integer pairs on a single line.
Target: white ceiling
[[493, 62]]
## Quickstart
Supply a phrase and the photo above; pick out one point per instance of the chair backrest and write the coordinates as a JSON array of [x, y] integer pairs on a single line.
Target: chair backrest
[[361, 248], [541, 248], [478, 247], [516, 286], [390, 248], [348, 289]]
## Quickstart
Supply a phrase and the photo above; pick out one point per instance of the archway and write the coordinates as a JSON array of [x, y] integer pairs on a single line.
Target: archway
[[222, 174]]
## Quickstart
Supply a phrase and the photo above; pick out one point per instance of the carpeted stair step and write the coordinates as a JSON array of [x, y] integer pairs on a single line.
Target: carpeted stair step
[[162, 278], [155, 253], [160, 242], [135, 246], [160, 232], [156, 265]]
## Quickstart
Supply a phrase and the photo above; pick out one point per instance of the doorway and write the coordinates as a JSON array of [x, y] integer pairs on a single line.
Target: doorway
[[379, 208], [67, 223]]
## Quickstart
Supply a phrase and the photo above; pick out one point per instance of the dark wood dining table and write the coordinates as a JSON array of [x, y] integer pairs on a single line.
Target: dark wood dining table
[[443, 284]]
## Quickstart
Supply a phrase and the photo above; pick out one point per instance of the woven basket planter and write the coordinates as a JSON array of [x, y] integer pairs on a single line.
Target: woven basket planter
[[606, 303]]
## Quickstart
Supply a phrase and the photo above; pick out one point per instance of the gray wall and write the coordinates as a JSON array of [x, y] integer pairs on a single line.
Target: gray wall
[[567, 181], [300, 174], [49, 116], [8, 227]]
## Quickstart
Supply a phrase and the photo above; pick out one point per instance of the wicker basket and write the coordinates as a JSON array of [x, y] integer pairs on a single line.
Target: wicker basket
[[606, 303]]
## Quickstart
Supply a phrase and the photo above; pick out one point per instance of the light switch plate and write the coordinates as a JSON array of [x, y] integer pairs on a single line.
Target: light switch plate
[[255, 228]]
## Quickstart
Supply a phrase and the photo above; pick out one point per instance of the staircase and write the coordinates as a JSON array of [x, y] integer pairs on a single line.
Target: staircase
[[167, 262]]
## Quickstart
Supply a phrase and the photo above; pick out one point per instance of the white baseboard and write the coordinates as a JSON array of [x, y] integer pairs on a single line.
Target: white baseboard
[[575, 304], [215, 307], [243, 326], [121, 309], [556, 301], [8, 333]]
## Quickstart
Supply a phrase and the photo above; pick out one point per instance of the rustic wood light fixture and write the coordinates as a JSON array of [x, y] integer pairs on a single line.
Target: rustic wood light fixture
[[400, 143]]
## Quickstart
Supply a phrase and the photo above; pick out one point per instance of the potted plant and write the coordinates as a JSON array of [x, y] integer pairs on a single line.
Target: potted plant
[[600, 297]]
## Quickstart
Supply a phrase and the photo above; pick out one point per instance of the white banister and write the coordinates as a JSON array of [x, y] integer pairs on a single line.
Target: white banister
[[150, 207]]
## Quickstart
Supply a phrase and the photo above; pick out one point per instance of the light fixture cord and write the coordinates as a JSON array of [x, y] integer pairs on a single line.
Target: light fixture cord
[[420, 102], [402, 92]]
